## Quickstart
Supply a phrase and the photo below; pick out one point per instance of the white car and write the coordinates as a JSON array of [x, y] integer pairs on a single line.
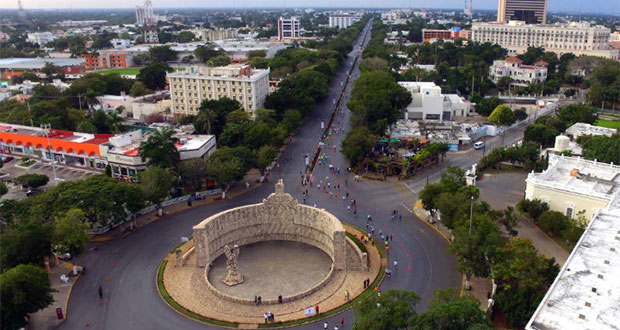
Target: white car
[[478, 145]]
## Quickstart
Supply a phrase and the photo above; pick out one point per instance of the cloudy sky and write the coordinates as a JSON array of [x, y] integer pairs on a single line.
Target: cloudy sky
[[596, 6]]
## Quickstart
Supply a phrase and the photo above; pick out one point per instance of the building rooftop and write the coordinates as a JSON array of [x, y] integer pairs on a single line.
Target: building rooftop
[[586, 293], [18, 63], [233, 71], [579, 129], [580, 176]]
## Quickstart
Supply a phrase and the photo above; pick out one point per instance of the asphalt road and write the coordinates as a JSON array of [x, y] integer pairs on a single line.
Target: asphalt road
[[126, 268]]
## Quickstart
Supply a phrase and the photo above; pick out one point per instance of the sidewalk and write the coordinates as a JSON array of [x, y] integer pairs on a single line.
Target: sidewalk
[[479, 287], [46, 319], [123, 230], [543, 243]]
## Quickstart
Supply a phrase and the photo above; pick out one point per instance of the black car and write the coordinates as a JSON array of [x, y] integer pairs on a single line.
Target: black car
[[33, 191]]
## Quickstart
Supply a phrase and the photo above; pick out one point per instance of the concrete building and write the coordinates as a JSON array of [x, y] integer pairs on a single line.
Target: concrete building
[[521, 74], [342, 21], [10, 67], [238, 82], [216, 34], [108, 59], [586, 292], [529, 11], [120, 43], [65, 147], [432, 35], [122, 152], [579, 38], [428, 103], [289, 28], [138, 108], [574, 186], [40, 38]]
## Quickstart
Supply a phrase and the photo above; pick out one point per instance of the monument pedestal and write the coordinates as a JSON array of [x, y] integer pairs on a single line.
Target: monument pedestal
[[232, 280]]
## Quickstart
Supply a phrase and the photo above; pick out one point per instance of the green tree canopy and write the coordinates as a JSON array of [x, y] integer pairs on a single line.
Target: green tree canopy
[[393, 309], [358, 143], [192, 173], [153, 76], [25, 242], [162, 54], [24, 289], [32, 180], [156, 183], [160, 149], [71, 232], [502, 115], [605, 149], [220, 60]]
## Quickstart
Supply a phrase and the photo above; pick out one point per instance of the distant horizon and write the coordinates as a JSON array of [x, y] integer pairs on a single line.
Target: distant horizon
[[605, 13], [607, 7]]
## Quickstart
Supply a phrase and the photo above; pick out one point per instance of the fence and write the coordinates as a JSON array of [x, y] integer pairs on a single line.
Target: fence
[[151, 208]]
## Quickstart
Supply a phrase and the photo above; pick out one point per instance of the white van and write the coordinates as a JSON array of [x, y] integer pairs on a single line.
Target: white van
[[479, 145]]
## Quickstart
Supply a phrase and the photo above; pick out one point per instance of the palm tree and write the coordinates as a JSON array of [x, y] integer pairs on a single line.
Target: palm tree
[[160, 149], [204, 121]]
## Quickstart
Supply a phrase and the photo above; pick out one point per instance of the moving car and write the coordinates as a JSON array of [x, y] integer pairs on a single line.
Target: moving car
[[478, 145]]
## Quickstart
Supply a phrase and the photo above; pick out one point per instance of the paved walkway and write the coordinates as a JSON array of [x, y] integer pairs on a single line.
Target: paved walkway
[[46, 319], [543, 243]]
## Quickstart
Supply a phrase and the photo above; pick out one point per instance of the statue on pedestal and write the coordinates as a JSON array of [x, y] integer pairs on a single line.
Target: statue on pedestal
[[233, 277]]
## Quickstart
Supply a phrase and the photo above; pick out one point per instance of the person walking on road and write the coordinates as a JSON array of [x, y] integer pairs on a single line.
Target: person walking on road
[[325, 325], [100, 292], [342, 321], [395, 264]]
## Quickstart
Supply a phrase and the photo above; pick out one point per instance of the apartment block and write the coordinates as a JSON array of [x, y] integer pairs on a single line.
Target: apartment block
[[289, 28], [198, 83], [521, 74]]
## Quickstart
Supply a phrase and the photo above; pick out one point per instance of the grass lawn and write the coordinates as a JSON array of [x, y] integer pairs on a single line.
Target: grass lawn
[[132, 71], [607, 123]]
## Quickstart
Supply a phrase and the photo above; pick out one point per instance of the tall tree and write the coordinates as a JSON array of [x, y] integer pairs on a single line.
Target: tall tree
[[153, 76], [502, 116], [192, 173], [25, 242], [156, 183], [160, 149], [162, 54], [393, 309], [24, 289], [71, 232], [225, 173]]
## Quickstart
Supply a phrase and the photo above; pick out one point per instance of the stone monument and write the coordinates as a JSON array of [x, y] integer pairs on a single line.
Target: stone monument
[[232, 255]]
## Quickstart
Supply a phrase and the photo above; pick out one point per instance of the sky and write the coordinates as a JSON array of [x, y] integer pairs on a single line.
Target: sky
[[586, 6]]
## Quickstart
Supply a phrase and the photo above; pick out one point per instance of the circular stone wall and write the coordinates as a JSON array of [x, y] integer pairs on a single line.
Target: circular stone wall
[[273, 268], [279, 217]]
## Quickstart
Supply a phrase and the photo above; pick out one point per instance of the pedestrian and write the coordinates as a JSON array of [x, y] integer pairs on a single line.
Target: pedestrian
[[368, 282], [387, 249], [347, 295], [325, 325], [391, 237], [317, 309], [266, 318], [336, 328], [364, 284], [400, 217], [395, 264], [100, 292], [342, 321]]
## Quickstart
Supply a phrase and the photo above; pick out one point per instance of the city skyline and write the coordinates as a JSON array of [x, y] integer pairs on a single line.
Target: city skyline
[[595, 6]]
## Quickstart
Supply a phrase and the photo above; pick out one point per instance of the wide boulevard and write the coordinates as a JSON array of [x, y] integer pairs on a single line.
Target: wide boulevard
[[131, 300]]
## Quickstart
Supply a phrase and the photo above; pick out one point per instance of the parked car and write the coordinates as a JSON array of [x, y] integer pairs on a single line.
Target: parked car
[[33, 192], [478, 145], [6, 159]]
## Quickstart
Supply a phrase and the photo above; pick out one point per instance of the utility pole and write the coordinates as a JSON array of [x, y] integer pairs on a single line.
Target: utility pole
[[471, 213], [46, 128]]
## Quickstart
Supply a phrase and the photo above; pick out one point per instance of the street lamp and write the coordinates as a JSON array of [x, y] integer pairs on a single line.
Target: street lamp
[[46, 128], [471, 213]]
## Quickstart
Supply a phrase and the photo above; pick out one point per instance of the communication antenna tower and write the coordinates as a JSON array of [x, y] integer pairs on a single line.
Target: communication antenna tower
[[21, 14], [469, 10]]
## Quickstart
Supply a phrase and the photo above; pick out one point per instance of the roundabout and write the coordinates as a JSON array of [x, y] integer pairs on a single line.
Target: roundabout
[[278, 257]]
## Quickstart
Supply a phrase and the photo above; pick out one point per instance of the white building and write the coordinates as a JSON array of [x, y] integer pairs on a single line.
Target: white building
[[579, 38], [40, 38], [138, 108], [579, 129], [573, 185], [342, 21], [521, 74], [428, 103], [289, 28], [586, 292], [216, 34], [238, 82], [120, 43], [123, 151]]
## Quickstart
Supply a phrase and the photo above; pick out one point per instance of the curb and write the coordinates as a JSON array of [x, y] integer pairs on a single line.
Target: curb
[[66, 311], [444, 237]]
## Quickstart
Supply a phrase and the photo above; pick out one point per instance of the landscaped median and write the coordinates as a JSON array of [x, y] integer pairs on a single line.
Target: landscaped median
[[290, 314]]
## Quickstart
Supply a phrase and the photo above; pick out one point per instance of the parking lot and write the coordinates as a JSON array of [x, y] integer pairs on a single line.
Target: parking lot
[[63, 172]]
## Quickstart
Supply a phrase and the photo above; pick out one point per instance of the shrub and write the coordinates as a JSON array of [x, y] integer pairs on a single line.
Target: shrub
[[553, 222], [534, 208]]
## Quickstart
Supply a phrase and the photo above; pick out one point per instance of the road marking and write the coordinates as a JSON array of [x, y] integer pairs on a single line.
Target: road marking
[[408, 187]]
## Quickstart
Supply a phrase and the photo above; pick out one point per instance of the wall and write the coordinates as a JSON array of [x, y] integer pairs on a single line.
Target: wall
[[279, 217], [558, 200]]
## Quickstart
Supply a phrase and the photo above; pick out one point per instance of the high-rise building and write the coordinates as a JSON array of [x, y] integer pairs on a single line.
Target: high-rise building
[[529, 11], [237, 82], [342, 21], [289, 28], [579, 38]]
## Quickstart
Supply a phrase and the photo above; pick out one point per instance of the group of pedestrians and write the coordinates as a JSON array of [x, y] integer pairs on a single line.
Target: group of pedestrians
[[326, 325], [269, 318]]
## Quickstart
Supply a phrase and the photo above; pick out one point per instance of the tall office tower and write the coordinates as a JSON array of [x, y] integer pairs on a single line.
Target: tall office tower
[[146, 19], [529, 11], [289, 28]]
